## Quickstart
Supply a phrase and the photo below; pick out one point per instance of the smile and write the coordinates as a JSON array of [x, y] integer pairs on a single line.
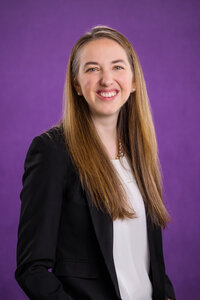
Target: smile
[[107, 96]]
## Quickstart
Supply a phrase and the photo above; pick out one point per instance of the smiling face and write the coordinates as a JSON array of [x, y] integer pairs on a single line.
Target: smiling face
[[105, 78]]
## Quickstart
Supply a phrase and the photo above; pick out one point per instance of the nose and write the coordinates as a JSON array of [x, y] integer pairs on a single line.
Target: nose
[[106, 78]]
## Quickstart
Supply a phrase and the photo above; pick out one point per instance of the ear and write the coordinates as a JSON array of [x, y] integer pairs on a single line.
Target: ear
[[77, 87], [133, 87]]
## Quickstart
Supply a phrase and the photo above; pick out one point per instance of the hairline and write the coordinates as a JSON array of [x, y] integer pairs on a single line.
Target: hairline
[[91, 39]]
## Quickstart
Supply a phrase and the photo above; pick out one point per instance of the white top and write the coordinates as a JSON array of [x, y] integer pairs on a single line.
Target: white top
[[130, 242]]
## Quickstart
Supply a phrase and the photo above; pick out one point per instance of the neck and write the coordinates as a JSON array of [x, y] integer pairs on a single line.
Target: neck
[[107, 130]]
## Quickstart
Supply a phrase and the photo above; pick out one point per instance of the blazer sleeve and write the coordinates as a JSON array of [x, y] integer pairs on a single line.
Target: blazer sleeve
[[170, 294], [41, 201]]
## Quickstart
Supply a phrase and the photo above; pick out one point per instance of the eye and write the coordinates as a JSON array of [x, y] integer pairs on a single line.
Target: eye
[[91, 69], [118, 68]]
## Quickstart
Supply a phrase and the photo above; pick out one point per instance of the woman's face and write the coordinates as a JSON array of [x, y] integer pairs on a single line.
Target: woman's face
[[105, 78]]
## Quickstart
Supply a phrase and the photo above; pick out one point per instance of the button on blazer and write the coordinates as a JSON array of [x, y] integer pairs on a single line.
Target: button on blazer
[[65, 244]]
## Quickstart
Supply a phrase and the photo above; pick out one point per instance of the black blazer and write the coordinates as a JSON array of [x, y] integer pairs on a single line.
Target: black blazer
[[64, 249]]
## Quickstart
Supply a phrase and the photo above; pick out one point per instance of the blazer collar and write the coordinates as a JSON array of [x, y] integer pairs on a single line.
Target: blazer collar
[[103, 226]]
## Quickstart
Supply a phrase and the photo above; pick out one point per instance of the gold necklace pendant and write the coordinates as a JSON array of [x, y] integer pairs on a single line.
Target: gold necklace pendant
[[120, 150]]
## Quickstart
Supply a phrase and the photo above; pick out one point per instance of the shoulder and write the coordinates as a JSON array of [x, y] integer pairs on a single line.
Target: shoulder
[[49, 146], [48, 161], [53, 137]]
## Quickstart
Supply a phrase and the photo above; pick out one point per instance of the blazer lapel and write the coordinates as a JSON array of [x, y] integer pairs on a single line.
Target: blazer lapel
[[103, 226]]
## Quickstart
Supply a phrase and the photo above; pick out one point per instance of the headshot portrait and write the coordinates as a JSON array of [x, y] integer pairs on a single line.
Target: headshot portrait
[[100, 151]]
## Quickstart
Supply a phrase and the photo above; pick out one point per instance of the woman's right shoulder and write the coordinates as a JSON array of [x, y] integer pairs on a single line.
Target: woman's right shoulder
[[54, 135], [50, 142], [48, 157]]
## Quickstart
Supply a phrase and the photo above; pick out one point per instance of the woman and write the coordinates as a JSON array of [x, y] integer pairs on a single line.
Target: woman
[[92, 207]]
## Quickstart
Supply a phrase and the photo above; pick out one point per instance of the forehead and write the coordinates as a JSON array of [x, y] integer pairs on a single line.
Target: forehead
[[102, 50]]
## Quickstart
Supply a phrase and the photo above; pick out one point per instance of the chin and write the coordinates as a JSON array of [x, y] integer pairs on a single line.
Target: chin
[[109, 113]]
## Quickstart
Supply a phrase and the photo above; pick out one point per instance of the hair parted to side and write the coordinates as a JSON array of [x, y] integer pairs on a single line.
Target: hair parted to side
[[135, 129]]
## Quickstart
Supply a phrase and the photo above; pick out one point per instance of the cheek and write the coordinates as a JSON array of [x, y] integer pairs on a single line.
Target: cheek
[[126, 79], [87, 85], [126, 83]]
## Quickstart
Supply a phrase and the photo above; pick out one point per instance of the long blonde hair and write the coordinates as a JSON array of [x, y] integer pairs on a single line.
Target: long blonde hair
[[135, 129]]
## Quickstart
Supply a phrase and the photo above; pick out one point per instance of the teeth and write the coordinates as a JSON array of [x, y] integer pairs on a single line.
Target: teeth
[[107, 95]]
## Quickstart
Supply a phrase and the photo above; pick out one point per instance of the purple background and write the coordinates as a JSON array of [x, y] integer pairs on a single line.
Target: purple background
[[36, 39]]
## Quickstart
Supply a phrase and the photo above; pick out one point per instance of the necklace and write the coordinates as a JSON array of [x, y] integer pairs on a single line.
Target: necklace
[[120, 150]]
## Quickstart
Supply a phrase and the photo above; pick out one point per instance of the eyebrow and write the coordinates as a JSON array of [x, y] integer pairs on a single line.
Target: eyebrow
[[95, 63]]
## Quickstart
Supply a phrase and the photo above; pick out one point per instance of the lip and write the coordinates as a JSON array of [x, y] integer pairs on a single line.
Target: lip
[[107, 99]]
